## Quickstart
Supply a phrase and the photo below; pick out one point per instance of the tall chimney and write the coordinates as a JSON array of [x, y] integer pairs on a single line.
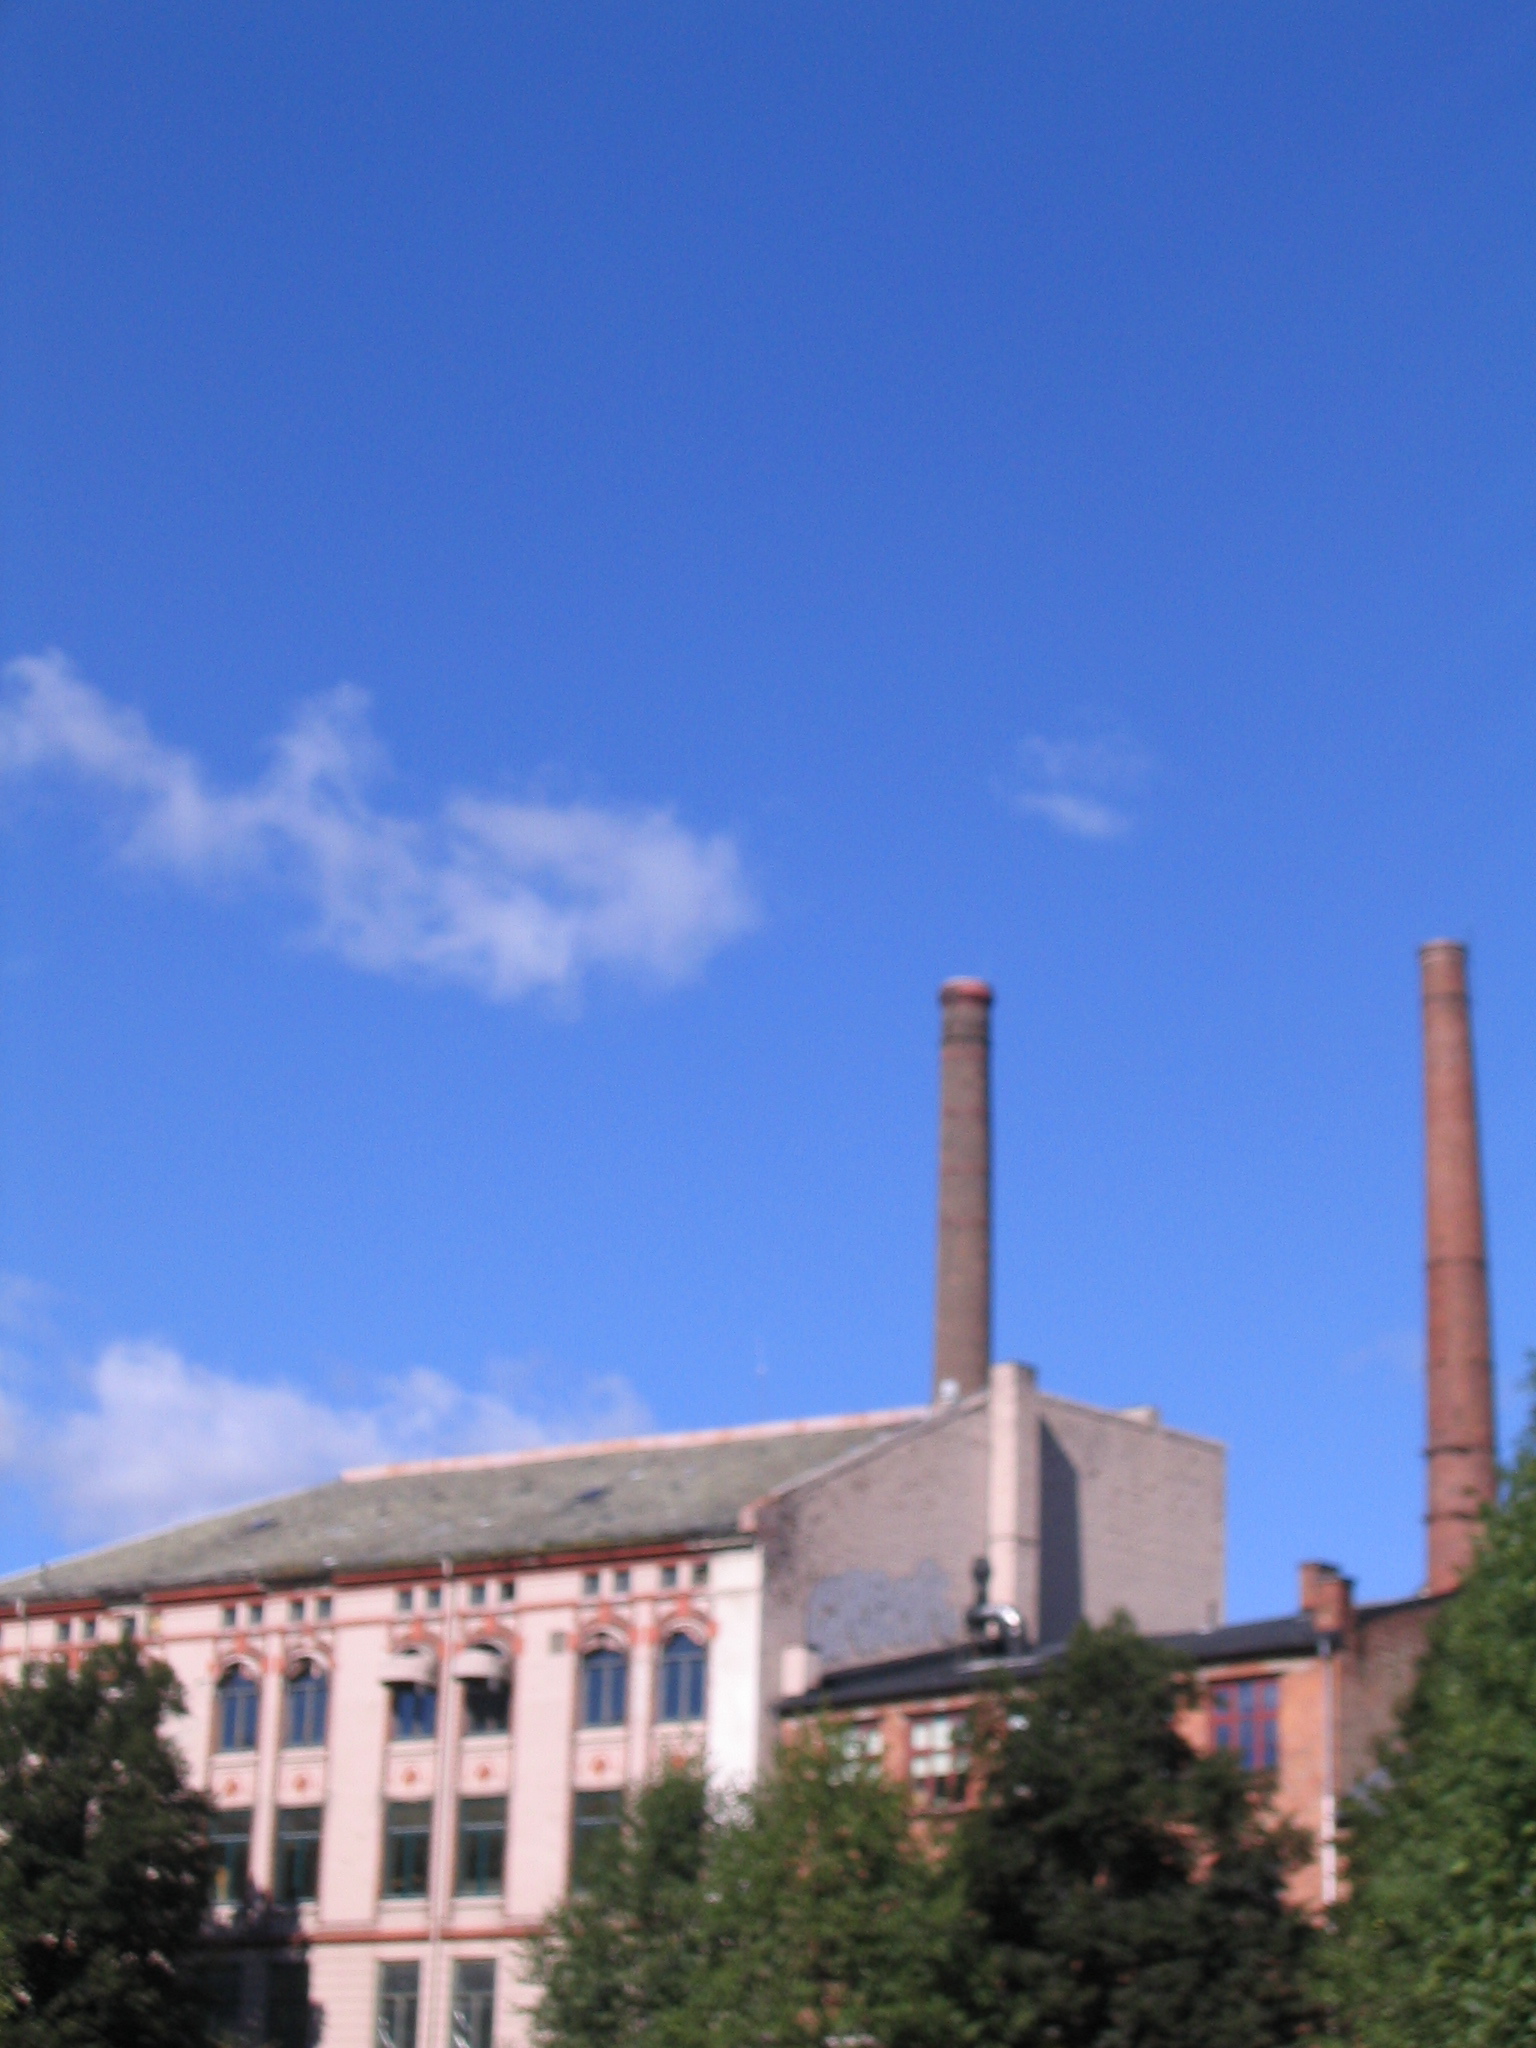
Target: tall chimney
[[1459, 1352], [962, 1341]]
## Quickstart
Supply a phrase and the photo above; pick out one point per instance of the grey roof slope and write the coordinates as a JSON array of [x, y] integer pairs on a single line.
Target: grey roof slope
[[656, 1489]]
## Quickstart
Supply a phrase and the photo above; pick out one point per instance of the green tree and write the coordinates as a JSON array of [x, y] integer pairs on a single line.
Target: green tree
[[1124, 1891], [1437, 1944], [826, 1919], [618, 1955], [103, 1863], [805, 1912]]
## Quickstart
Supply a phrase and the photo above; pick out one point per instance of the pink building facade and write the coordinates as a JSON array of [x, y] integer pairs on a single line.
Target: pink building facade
[[416, 1695]]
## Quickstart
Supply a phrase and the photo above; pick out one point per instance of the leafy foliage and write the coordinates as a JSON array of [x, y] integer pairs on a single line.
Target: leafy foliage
[[1124, 1892], [103, 1863], [1438, 1943], [617, 1957], [1114, 1890], [809, 1913]]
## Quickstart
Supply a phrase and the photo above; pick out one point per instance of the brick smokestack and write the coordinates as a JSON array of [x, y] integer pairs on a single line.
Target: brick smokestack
[[962, 1343], [1459, 1351]]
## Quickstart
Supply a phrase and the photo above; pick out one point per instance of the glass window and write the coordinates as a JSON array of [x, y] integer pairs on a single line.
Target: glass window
[[88, 1630], [863, 1746], [701, 1574], [61, 1631], [482, 1845], [485, 1707], [595, 1818], [295, 1610], [238, 1698], [604, 1682], [668, 1577], [589, 1583], [1245, 1719], [323, 1607], [407, 1841], [308, 1694], [682, 1679], [296, 1873], [397, 2005], [508, 1589], [254, 1612], [477, 1596], [403, 1600], [434, 1597], [940, 1760], [621, 1581], [229, 1843], [412, 1712], [229, 1616], [474, 2004]]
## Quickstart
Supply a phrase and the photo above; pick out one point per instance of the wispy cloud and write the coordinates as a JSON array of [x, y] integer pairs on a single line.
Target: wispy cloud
[[1081, 786], [501, 896], [161, 1439]]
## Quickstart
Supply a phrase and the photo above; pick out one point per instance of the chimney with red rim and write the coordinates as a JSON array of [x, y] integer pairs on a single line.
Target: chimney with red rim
[[1458, 1345], [962, 1349]]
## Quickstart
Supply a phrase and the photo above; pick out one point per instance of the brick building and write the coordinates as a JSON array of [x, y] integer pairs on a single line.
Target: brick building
[[1308, 1695]]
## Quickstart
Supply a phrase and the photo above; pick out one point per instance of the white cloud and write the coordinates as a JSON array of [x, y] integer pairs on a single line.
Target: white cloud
[[1081, 817], [1068, 783], [500, 896], [162, 1439]]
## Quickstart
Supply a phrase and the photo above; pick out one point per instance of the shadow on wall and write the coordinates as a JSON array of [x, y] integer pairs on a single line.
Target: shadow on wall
[[856, 1616], [1061, 1542]]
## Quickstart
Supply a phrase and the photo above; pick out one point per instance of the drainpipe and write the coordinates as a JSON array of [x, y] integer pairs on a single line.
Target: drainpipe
[[1328, 1846], [440, 1871]]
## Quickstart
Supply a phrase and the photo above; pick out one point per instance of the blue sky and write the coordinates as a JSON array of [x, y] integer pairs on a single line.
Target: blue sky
[[566, 566]]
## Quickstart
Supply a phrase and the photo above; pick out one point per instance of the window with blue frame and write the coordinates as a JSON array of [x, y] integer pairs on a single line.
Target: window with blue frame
[[604, 1688], [683, 1663], [305, 1703], [412, 1712], [1245, 1721], [238, 1702]]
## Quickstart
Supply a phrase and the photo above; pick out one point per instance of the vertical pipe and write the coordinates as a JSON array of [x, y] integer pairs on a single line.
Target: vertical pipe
[[1459, 1367], [962, 1349]]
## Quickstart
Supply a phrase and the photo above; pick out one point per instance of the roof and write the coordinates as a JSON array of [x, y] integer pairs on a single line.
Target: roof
[[644, 1490], [960, 1668]]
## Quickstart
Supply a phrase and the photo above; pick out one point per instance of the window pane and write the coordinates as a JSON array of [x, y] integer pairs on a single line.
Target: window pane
[[482, 1845], [237, 1710], [407, 1839], [604, 1676], [485, 1707], [397, 2005], [307, 1698], [296, 1875], [595, 1820], [229, 1842], [474, 2004], [413, 1712], [682, 1679]]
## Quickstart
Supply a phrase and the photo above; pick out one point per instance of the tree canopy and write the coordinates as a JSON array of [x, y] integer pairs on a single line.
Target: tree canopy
[[103, 1860], [1437, 1945], [1113, 1890], [1123, 1891], [801, 1913]]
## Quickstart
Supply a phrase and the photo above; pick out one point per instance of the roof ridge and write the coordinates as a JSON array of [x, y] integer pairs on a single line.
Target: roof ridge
[[684, 1439]]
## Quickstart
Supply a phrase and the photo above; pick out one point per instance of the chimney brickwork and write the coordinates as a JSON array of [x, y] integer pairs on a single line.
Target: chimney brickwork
[[1458, 1344], [962, 1352]]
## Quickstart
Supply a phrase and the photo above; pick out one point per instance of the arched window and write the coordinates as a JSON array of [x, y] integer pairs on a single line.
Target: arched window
[[308, 1695], [604, 1683], [683, 1664], [238, 1699], [413, 1712]]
